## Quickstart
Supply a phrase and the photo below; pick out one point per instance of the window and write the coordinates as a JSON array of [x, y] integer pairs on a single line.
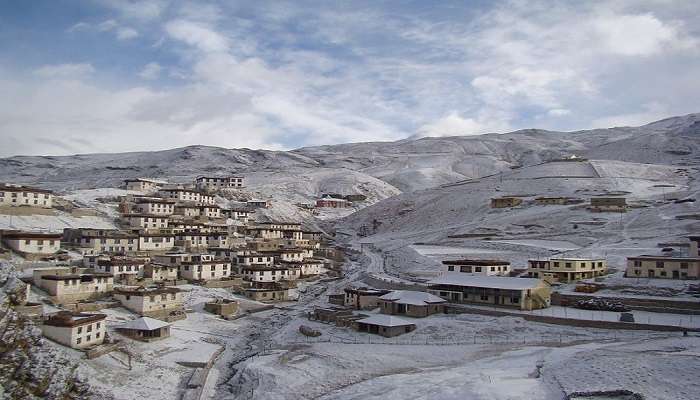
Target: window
[[567, 265], [484, 297], [515, 299], [684, 265], [97, 325], [662, 273], [659, 264], [77, 341], [89, 328], [97, 335], [80, 330], [87, 338], [637, 263]]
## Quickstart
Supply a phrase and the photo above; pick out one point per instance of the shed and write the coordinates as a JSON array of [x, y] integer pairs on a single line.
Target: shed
[[411, 303], [384, 325]]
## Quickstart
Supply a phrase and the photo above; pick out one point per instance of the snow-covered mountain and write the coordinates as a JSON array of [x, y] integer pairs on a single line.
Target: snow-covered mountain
[[378, 169]]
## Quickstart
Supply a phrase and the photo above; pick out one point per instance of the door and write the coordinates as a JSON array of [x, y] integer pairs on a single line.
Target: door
[[651, 273], [676, 275]]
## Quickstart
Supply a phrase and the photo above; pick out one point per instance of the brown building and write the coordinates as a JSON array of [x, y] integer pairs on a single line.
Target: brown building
[[363, 298], [663, 267], [608, 204], [145, 329]]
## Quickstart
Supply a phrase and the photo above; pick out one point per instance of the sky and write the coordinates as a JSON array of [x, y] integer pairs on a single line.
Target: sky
[[117, 75]]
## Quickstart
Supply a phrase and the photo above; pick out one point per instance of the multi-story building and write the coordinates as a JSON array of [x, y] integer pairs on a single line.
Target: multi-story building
[[19, 195], [667, 267], [143, 184], [98, 241], [567, 269], [204, 267], [210, 210], [269, 273], [123, 268], [73, 287], [482, 267], [151, 302], [180, 194], [160, 272], [146, 221], [156, 242], [76, 330], [219, 182], [154, 206], [32, 242]]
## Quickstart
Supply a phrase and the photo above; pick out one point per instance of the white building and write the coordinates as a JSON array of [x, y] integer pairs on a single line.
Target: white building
[[32, 242], [160, 272], [270, 273], [121, 267], [219, 182], [480, 267], [156, 242], [76, 330], [154, 206], [18, 195], [146, 221], [210, 210], [181, 195], [145, 301], [74, 287], [143, 184], [204, 267]]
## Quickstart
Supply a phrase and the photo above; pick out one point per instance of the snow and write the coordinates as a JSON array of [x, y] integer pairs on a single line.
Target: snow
[[412, 297], [144, 323]]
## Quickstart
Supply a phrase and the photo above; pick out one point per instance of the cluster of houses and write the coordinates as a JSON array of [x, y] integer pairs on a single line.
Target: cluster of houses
[[168, 235]]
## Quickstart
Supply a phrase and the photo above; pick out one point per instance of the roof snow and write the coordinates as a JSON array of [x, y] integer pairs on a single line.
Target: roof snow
[[385, 320], [492, 282], [412, 297], [144, 324]]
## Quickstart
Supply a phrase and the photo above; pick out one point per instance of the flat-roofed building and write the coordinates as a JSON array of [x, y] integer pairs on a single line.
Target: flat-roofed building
[[187, 210], [32, 242], [663, 267], [521, 293], [143, 184], [384, 325], [19, 195], [254, 258], [73, 287], [145, 221], [258, 203], [567, 270], [270, 273], [204, 267], [156, 242], [210, 211], [123, 268], [267, 292], [219, 182], [154, 206], [97, 241], [151, 302], [75, 330], [160, 272], [331, 202], [363, 298], [482, 267], [549, 201]]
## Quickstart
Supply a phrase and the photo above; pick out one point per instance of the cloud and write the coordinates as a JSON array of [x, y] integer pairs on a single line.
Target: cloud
[[64, 70], [137, 9], [455, 125], [198, 35], [126, 33], [150, 71]]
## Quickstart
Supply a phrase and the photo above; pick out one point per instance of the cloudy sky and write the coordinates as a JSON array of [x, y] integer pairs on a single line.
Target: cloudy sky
[[117, 75]]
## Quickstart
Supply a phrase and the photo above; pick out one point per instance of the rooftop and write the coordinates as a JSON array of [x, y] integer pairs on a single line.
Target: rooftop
[[412, 298], [70, 319], [144, 324], [475, 262], [385, 320]]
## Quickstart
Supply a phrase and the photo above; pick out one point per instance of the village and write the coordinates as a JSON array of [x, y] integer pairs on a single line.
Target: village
[[194, 258]]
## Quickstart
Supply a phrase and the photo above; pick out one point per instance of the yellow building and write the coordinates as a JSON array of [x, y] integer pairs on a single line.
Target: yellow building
[[567, 270], [663, 267], [505, 202]]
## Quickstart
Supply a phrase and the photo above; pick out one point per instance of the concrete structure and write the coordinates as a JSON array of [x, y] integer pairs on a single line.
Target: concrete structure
[[482, 267], [522, 293], [19, 195], [411, 303], [693, 250], [160, 272], [254, 258], [218, 182], [204, 267], [32, 242], [153, 302], [187, 210], [154, 206], [384, 325], [545, 201], [156, 242], [505, 202], [267, 292], [258, 203], [179, 194], [567, 270], [664, 267], [145, 221], [269, 273], [363, 298], [73, 287], [608, 204], [222, 307], [143, 184], [76, 330], [122, 268], [145, 329], [98, 241]]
